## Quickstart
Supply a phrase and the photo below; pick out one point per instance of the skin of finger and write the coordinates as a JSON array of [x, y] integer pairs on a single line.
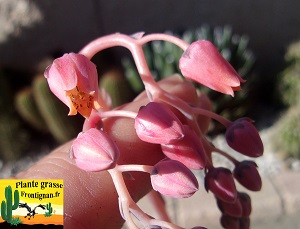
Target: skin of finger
[[90, 199]]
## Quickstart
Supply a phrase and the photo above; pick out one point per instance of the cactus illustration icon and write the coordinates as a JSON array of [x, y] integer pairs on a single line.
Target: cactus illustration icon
[[50, 210], [7, 206]]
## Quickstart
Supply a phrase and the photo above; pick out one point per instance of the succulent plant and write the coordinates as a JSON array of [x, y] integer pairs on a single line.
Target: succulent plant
[[13, 136], [162, 58], [289, 92], [41, 109]]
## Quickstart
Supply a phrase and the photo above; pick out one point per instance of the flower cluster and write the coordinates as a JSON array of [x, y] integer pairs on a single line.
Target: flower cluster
[[173, 121]]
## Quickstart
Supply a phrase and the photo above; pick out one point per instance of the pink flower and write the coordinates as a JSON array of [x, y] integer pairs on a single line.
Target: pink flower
[[188, 150], [156, 123], [243, 137], [94, 151], [220, 182], [246, 174], [73, 79], [203, 63], [172, 178]]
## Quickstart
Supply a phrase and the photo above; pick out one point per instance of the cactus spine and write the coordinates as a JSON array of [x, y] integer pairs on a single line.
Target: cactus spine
[[7, 207], [50, 210]]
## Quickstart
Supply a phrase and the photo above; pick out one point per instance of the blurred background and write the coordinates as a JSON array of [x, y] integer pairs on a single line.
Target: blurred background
[[259, 38]]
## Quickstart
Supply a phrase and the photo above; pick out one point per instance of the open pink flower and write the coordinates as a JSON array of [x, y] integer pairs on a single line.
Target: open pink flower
[[73, 79], [94, 151], [203, 63]]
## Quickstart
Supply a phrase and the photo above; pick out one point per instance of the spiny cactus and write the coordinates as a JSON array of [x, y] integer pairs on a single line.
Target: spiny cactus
[[7, 206], [39, 107], [162, 58], [50, 210]]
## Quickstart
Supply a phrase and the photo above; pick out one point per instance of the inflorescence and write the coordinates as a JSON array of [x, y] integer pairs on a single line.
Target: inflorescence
[[168, 119]]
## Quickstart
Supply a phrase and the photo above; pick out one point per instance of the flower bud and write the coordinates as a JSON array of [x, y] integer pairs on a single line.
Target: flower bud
[[246, 174], [230, 222], [172, 178], [73, 79], [244, 223], [220, 182], [155, 123], [243, 137], [94, 151], [246, 203], [233, 209], [188, 150], [203, 63]]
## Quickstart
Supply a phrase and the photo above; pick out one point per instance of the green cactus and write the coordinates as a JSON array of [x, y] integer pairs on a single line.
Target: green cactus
[[13, 135], [50, 210], [162, 58], [15, 221], [117, 87], [27, 108], [61, 126], [6, 206]]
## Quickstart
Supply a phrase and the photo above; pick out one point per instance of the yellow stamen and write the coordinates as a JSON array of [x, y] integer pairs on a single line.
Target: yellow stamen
[[81, 101]]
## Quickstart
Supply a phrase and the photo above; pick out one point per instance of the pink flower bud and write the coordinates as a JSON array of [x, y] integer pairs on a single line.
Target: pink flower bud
[[246, 174], [243, 137], [172, 178], [203, 63], [233, 209], [73, 79], [156, 123], [188, 150], [230, 222], [246, 203], [220, 182], [94, 151]]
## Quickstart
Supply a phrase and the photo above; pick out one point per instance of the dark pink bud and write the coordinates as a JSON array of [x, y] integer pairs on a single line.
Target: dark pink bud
[[245, 223], [172, 178], [188, 150], [203, 63], [233, 209], [246, 203], [246, 174], [220, 181], [243, 137], [230, 222], [94, 151], [156, 123]]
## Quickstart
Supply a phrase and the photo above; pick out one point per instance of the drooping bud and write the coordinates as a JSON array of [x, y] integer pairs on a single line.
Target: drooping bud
[[203, 63], [156, 123], [230, 222], [233, 209], [172, 178], [73, 79], [244, 223], [188, 150], [246, 203], [246, 174], [94, 151], [220, 182], [243, 137]]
